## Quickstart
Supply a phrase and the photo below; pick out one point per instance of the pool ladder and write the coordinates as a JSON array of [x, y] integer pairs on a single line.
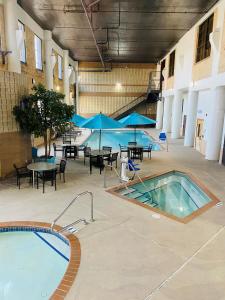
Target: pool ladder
[[69, 227]]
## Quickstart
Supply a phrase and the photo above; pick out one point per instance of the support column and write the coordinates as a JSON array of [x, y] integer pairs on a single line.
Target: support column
[[11, 27], [176, 115], [167, 114], [215, 123], [191, 119], [159, 117], [66, 76], [48, 60]]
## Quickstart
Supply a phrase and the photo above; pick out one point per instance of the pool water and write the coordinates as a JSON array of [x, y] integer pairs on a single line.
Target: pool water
[[174, 193], [113, 138], [32, 264]]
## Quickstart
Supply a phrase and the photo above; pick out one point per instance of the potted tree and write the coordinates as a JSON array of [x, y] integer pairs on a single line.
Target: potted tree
[[43, 113]]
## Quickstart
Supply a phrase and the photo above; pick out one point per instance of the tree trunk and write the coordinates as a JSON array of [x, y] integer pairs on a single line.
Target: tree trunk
[[49, 142], [46, 143]]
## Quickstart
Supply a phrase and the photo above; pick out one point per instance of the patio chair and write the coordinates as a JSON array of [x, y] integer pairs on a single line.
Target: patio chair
[[107, 148], [123, 149], [136, 153], [22, 172], [98, 162], [113, 157], [132, 167], [62, 168], [163, 138], [87, 153], [70, 152], [57, 148], [47, 176], [148, 149]]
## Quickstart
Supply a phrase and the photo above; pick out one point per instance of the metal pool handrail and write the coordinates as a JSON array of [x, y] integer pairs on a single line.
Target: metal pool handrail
[[71, 203]]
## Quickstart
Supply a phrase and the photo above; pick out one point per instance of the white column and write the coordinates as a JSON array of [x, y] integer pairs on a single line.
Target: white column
[[11, 27], [215, 123], [159, 117], [48, 60], [167, 113], [66, 76], [176, 115], [191, 119]]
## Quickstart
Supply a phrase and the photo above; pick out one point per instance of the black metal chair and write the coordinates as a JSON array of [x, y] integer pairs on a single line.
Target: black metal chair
[[107, 148], [47, 176], [22, 172], [70, 152], [57, 148], [123, 149], [62, 168], [98, 162], [113, 157], [132, 143], [136, 153], [148, 149], [87, 153]]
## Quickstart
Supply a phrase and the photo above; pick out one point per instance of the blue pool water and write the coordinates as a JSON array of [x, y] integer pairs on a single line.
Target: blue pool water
[[174, 193], [29, 267], [113, 138]]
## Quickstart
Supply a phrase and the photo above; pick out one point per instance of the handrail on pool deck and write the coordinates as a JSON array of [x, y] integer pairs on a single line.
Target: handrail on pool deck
[[71, 203]]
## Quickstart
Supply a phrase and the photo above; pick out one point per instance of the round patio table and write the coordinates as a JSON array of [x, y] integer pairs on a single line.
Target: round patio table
[[41, 167], [99, 152]]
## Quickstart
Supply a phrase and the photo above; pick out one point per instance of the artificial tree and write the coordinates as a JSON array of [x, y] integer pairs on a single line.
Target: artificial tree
[[43, 113]]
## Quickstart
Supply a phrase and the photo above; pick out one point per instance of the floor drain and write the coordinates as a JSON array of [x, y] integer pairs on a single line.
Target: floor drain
[[156, 216], [219, 204]]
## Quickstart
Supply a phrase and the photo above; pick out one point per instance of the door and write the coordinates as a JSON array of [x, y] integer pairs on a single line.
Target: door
[[223, 157], [199, 136]]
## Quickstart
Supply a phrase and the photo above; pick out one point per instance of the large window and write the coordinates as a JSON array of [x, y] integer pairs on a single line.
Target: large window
[[59, 67], [204, 47], [23, 46], [38, 52], [172, 64]]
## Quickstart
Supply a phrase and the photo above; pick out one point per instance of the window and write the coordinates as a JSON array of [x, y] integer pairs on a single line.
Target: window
[[204, 47], [23, 46], [59, 67], [171, 64], [38, 52]]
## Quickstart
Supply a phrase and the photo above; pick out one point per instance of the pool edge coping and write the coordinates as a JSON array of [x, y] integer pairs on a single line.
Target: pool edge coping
[[214, 200], [75, 255]]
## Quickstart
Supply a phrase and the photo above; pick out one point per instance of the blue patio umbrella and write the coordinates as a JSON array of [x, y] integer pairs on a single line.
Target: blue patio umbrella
[[136, 119], [77, 119], [100, 121]]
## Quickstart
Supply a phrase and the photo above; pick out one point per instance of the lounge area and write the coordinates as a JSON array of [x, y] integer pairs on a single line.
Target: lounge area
[[112, 150]]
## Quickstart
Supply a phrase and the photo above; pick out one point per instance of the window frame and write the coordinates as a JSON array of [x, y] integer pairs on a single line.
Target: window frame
[[22, 25], [60, 69], [35, 52], [203, 47], [172, 59]]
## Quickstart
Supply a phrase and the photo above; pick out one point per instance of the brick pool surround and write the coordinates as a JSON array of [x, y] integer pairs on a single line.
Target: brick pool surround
[[75, 253], [214, 200]]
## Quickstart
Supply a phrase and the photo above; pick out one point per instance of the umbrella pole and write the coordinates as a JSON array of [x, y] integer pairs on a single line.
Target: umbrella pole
[[100, 137]]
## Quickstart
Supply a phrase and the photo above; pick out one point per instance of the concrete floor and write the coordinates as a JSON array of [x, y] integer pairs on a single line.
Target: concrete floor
[[126, 254]]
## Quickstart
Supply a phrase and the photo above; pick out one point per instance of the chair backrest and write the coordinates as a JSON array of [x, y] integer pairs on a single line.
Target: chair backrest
[[62, 166], [115, 155], [87, 150], [34, 152], [131, 165], [162, 136], [51, 160], [54, 146], [122, 147], [17, 171], [107, 148], [132, 143]]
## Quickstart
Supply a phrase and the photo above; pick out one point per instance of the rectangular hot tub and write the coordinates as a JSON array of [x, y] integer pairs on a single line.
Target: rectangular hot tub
[[175, 194]]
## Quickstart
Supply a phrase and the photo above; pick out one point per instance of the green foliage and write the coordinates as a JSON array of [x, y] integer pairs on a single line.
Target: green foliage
[[43, 112]]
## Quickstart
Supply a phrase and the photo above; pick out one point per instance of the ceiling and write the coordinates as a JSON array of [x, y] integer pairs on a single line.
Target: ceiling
[[125, 30]]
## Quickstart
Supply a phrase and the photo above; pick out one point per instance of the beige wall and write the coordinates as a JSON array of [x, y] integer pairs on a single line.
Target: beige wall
[[98, 90]]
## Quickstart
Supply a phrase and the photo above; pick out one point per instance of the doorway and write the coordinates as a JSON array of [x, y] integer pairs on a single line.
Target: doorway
[[199, 136]]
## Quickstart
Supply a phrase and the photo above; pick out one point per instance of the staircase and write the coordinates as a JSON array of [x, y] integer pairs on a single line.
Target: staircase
[[152, 95]]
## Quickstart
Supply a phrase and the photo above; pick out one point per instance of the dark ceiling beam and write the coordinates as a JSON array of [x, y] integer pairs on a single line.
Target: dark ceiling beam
[[92, 32], [124, 29]]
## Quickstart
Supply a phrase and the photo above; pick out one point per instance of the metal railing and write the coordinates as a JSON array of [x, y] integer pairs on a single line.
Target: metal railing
[[69, 205]]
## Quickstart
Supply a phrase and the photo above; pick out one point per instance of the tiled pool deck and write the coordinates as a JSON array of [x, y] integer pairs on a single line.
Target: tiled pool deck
[[127, 254]]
